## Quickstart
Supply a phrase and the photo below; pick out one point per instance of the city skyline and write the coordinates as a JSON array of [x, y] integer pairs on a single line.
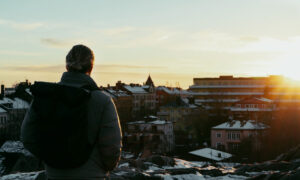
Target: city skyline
[[174, 41]]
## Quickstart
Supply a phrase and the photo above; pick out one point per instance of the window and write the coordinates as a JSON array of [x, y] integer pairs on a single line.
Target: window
[[219, 135], [234, 135]]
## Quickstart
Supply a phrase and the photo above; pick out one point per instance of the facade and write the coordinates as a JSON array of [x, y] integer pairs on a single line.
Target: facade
[[176, 110], [228, 136], [224, 91], [12, 113], [3, 117], [166, 94], [150, 134], [16, 107], [123, 102], [142, 98], [253, 108]]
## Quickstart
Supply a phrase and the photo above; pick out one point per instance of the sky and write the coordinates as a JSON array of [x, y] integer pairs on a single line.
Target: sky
[[172, 40]]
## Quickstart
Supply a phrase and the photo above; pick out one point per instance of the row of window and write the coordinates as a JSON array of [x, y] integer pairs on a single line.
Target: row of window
[[230, 135], [146, 104], [232, 83], [252, 106], [148, 97]]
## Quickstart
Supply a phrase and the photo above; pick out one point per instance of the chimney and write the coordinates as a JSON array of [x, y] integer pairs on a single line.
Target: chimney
[[2, 91]]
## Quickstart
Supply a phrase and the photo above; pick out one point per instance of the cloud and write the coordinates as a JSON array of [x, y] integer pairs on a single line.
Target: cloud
[[21, 26], [55, 42]]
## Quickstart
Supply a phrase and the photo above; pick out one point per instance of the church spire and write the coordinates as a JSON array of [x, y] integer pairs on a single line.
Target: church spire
[[149, 81]]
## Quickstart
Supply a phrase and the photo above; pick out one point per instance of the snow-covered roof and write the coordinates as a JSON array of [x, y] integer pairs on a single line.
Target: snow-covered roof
[[28, 91], [2, 110], [250, 109], [137, 122], [157, 122], [264, 100], [238, 125], [135, 89], [17, 103], [216, 100], [211, 154], [117, 92], [172, 91]]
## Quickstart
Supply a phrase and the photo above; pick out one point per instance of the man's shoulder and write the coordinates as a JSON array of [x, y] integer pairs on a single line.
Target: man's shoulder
[[100, 97]]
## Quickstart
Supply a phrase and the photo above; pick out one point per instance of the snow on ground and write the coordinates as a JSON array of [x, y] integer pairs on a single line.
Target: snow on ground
[[124, 165], [2, 168], [127, 155], [14, 147], [23, 176], [227, 177], [197, 176]]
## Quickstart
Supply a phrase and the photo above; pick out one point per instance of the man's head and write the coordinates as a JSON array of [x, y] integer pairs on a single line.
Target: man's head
[[80, 59]]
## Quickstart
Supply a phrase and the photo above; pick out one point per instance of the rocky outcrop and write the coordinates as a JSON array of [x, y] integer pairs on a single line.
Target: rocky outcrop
[[25, 176], [291, 155], [15, 158]]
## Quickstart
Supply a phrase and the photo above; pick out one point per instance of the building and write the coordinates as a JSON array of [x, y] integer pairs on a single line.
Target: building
[[166, 94], [253, 108], [3, 117], [123, 102], [210, 154], [143, 100], [224, 91], [228, 136], [151, 133], [142, 97], [227, 90], [176, 109], [16, 107], [12, 113]]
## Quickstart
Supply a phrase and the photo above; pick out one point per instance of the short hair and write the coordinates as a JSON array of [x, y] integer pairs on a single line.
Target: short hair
[[80, 59]]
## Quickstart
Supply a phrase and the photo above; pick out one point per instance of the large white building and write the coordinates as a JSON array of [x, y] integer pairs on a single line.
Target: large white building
[[227, 90]]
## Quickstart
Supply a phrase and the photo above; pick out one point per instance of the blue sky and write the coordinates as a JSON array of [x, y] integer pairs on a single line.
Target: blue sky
[[172, 40]]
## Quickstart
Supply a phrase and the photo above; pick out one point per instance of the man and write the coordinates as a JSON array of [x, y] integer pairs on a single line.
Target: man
[[103, 123]]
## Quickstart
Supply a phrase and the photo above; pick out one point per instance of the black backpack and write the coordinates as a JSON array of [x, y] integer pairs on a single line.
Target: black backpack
[[63, 125]]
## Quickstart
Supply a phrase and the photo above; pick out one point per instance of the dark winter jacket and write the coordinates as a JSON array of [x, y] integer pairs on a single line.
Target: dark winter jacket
[[103, 124]]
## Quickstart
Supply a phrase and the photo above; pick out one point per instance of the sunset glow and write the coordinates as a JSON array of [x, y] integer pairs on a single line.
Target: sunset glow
[[131, 40]]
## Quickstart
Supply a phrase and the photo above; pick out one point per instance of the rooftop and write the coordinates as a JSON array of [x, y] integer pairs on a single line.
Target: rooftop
[[135, 89], [241, 125], [211, 154], [16, 103]]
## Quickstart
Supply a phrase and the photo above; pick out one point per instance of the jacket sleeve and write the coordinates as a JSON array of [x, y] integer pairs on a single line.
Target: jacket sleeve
[[29, 132], [110, 137]]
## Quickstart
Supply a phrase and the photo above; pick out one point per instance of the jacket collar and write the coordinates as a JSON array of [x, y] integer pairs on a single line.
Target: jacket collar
[[77, 80]]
